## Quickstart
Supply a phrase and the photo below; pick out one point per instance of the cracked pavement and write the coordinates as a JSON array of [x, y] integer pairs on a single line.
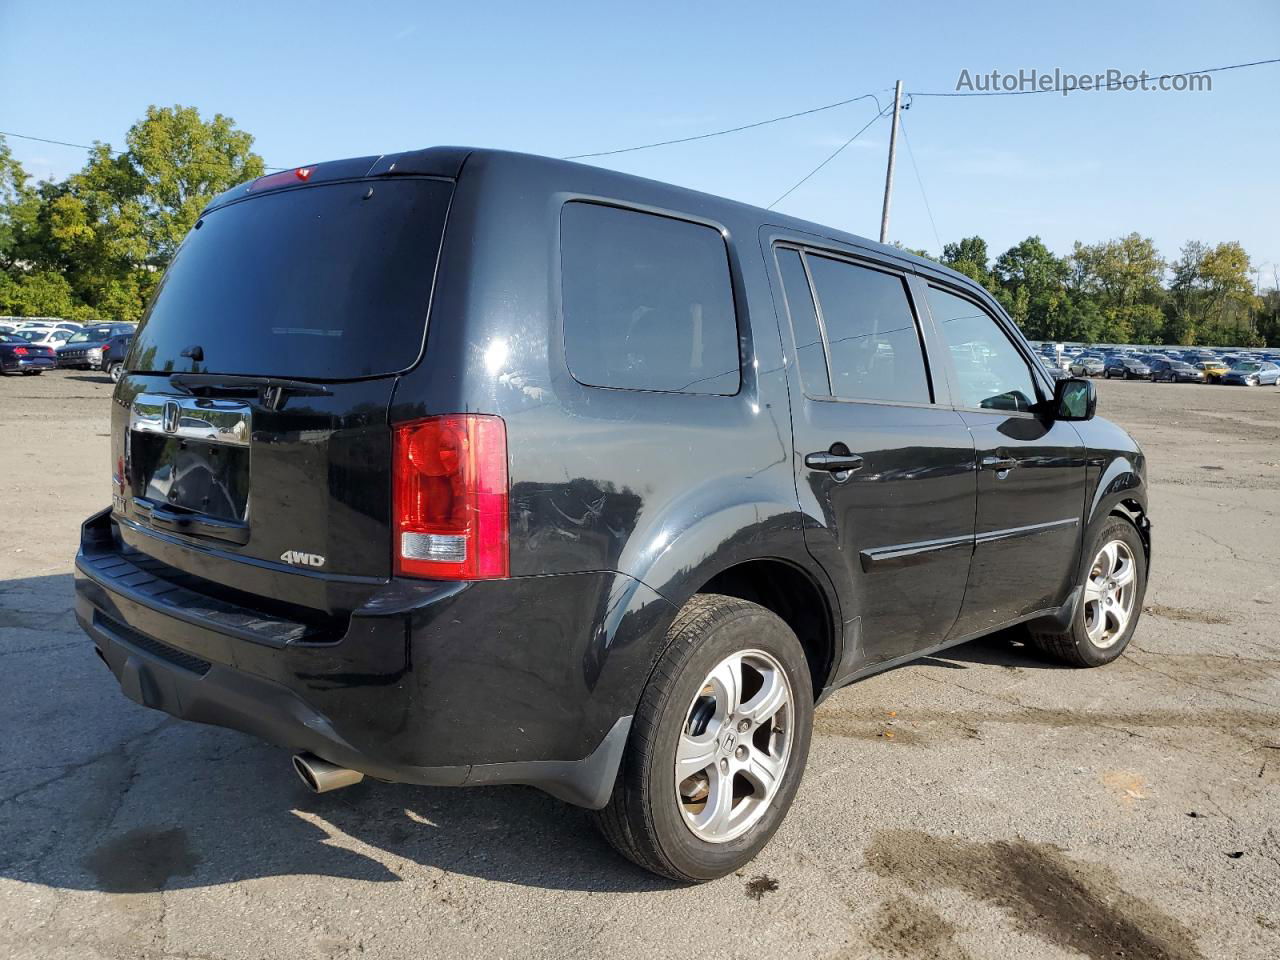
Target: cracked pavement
[[979, 803]]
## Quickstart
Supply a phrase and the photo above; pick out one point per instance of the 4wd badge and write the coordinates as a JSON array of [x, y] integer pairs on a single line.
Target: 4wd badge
[[298, 558]]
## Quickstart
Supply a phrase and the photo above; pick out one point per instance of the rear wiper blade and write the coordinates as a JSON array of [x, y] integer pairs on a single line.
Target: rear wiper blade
[[272, 390]]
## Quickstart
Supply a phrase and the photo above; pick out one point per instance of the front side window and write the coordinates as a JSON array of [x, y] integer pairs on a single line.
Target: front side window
[[874, 346], [990, 371], [648, 302]]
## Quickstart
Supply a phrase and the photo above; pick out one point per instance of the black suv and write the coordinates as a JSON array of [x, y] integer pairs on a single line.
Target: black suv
[[466, 467]]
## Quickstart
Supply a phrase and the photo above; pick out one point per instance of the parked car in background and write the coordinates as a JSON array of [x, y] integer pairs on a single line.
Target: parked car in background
[[478, 561], [20, 355], [1213, 370], [1175, 371], [1126, 368], [1253, 374], [48, 325], [85, 350], [113, 355], [53, 337], [1087, 367]]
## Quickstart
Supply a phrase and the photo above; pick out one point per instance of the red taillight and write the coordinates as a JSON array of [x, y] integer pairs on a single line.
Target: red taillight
[[20, 351], [449, 494]]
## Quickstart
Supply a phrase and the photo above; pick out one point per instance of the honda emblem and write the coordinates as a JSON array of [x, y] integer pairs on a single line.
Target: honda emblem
[[172, 414]]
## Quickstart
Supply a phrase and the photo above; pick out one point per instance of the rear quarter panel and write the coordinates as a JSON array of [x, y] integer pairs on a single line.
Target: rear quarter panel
[[665, 488]]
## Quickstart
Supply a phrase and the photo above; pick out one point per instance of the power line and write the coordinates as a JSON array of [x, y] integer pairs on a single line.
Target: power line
[[1109, 86], [86, 146], [911, 154], [721, 133], [831, 157]]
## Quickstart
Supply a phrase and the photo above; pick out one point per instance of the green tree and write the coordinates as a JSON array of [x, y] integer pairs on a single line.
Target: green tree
[[1032, 287], [111, 229], [1213, 296], [969, 257], [19, 208], [1120, 272], [177, 164]]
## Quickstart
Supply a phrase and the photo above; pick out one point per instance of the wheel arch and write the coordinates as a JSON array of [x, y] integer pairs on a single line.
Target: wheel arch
[[754, 551], [1121, 492], [796, 597]]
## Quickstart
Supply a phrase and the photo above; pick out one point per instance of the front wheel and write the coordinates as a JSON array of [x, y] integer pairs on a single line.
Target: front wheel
[[1114, 584], [718, 744]]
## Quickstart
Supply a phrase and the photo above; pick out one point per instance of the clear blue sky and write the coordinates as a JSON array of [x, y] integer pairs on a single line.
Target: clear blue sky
[[313, 81]]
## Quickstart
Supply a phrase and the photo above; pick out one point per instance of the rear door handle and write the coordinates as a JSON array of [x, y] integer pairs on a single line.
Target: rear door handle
[[833, 462], [999, 464]]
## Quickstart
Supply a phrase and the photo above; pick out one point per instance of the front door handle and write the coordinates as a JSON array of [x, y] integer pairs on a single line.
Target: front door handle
[[999, 464], [833, 462]]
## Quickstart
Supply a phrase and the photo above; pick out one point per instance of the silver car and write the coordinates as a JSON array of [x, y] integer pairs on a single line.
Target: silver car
[[1086, 367]]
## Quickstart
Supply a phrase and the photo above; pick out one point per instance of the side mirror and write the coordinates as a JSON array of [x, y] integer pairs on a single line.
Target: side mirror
[[1074, 399]]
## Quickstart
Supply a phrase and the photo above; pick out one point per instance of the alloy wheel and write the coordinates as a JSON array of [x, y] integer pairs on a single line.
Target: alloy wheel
[[1109, 594], [734, 746]]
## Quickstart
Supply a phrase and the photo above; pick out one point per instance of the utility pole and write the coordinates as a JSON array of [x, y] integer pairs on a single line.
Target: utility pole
[[893, 150]]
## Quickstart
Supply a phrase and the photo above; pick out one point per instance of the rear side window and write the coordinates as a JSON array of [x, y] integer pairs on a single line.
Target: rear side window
[[326, 282], [648, 303], [874, 344], [811, 354]]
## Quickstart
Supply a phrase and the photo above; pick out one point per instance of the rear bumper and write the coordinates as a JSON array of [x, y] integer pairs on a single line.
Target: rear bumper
[[426, 683], [30, 363]]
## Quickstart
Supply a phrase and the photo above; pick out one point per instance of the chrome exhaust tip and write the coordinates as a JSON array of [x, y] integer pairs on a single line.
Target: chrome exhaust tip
[[321, 776]]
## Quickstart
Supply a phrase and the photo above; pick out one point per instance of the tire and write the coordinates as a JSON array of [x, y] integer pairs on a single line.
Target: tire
[[114, 371], [1153, 378], [647, 819], [1080, 646]]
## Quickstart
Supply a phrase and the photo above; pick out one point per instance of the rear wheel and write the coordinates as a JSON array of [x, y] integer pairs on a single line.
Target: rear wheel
[[718, 744], [114, 370], [1115, 582]]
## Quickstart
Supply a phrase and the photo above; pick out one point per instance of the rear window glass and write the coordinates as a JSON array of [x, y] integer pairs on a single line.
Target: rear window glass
[[811, 354], [327, 282], [648, 303], [871, 332]]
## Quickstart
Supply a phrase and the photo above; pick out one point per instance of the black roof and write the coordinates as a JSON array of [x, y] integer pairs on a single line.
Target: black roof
[[449, 162]]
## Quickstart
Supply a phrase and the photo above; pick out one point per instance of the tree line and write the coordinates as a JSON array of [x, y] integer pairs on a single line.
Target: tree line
[[1124, 291], [92, 247]]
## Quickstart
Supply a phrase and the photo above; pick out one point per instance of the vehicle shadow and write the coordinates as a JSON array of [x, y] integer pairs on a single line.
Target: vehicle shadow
[[87, 378], [98, 793], [1007, 648]]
